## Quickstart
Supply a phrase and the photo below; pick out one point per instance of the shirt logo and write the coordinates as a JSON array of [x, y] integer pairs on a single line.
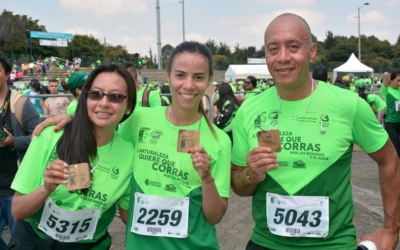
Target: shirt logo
[[143, 133], [170, 188], [324, 118], [299, 164]]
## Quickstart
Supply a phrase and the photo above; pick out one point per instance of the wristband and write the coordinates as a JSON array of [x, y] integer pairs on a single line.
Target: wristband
[[248, 178]]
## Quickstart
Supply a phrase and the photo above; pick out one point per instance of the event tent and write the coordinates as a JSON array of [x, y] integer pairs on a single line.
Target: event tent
[[352, 67], [242, 71]]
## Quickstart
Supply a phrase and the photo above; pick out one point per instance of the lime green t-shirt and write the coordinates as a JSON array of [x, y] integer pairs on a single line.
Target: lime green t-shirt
[[353, 89], [391, 95], [154, 98], [161, 170], [311, 163], [250, 95], [167, 102], [115, 170], [72, 107], [376, 100]]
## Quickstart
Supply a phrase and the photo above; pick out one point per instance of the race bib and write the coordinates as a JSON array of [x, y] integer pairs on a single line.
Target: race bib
[[298, 216], [68, 226], [397, 103], [160, 216]]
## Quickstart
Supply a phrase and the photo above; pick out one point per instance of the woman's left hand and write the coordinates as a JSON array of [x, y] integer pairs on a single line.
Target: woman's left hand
[[201, 161]]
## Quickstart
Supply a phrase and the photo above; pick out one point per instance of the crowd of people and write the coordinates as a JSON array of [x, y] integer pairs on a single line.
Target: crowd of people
[[169, 170]]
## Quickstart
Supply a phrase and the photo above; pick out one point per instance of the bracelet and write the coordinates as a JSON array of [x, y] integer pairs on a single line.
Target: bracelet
[[248, 178], [202, 181]]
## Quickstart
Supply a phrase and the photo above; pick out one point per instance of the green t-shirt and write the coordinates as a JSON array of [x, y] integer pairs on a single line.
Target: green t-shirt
[[166, 100], [353, 89], [249, 95], [376, 100], [161, 170], [154, 98], [115, 171], [311, 163], [391, 95], [72, 107]]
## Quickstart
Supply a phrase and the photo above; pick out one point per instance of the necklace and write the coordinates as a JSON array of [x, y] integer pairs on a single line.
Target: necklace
[[174, 121], [109, 149], [279, 106]]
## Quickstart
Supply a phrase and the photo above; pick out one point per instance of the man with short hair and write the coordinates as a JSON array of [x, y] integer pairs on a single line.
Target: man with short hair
[[293, 149], [145, 97], [55, 105]]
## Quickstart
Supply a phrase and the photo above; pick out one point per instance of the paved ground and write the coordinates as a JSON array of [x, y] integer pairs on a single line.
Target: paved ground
[[236, 227]]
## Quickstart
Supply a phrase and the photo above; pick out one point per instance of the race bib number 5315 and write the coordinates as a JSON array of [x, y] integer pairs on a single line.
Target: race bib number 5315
[[298, 216], [160, 216], [68, 226]]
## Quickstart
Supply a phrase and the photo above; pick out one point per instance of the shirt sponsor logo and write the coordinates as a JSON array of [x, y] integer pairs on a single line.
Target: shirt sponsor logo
[[170, 188], [283, 164], [324, 118], [155, 136], [152, 183], [143, 133], [115, 173], [299, 164]]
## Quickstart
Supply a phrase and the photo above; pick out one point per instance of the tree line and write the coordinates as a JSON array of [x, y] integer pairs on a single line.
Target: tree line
[[332, 52]]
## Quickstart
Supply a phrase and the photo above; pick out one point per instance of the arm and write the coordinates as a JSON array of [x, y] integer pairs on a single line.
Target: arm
[[30, 119], [259, 161], [123, 214], [386, 79], [53, 176], [59, 121], [227, 113], [389, 178], [214, 206], [215, 111], [41, 103]]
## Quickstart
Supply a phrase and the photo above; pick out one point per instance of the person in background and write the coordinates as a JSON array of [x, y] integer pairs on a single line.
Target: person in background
[[225, 109], [75, 84], [320, 73], [375, 101], [166, 100], [55, 105], [38, 101]]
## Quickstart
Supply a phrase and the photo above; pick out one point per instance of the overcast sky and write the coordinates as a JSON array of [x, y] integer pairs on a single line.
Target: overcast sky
[[132, 23]]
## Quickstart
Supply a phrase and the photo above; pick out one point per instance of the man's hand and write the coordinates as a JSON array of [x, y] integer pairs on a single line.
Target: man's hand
[[9, 141], [259, 161], [59, 120], [383, 238]]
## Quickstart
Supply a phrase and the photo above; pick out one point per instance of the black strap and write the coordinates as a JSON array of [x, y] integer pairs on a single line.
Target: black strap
[[5, 120]]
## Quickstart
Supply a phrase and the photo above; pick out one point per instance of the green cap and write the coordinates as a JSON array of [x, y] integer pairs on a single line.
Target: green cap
[[60, 89], [77, 79]]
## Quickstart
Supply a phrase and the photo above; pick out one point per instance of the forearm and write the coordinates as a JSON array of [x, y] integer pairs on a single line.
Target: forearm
[[36, 199], [123, 214], [214, 207], [240, 183], [389, 176]]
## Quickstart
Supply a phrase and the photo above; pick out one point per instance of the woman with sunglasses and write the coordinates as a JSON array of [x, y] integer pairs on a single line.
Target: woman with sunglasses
[[181, 178], [53, 215]]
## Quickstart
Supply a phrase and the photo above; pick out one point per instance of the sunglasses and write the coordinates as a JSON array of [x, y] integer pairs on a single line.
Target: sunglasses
[[111, 97], [247, 82]]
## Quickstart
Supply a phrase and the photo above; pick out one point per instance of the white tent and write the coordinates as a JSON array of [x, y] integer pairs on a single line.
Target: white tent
[[352, 67], [242, 71]]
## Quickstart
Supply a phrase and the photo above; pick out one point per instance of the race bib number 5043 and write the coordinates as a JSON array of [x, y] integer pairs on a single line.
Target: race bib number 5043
[[298, 216], [160, 216], [68, 226]]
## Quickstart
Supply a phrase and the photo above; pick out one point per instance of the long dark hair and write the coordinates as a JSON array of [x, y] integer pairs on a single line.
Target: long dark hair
[[225, 93], [361, 92], [195, 47], [78, 142], [394, 74]]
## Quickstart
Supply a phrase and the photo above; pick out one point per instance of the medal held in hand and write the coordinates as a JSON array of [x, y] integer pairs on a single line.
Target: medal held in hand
[[270, 138], [187, 139], [78, 176]]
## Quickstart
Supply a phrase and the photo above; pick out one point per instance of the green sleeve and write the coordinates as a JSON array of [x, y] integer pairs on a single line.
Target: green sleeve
[[366, 130], [241, 146], [154, 99], [30, 173], [221, 168], [371, 99], [124, 201]]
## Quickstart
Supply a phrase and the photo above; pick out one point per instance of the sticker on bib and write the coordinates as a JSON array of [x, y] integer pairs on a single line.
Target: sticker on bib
[[160, 216], [298, 216], [68, 226]]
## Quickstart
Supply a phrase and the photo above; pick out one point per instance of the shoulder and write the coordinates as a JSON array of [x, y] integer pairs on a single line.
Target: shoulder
[[252, 103]]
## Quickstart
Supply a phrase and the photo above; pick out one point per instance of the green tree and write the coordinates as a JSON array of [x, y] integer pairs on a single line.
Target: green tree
[[223, 49], [330, 41], [166, 51], [212, 46]]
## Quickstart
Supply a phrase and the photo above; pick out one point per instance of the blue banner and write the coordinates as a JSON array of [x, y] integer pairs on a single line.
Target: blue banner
[[51, 35]]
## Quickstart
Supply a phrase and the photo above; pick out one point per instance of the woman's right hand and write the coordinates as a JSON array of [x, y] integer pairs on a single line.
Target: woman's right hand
[[55, 174], [59, 121]]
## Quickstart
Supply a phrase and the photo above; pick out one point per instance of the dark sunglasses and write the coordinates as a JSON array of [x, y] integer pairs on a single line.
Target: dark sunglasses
[[111, 97], [247, 82]]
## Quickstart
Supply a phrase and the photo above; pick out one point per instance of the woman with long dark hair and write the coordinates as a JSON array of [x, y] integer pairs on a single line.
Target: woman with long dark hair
[[94, 160], [183, 161], [225, 109], [391, 93]]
